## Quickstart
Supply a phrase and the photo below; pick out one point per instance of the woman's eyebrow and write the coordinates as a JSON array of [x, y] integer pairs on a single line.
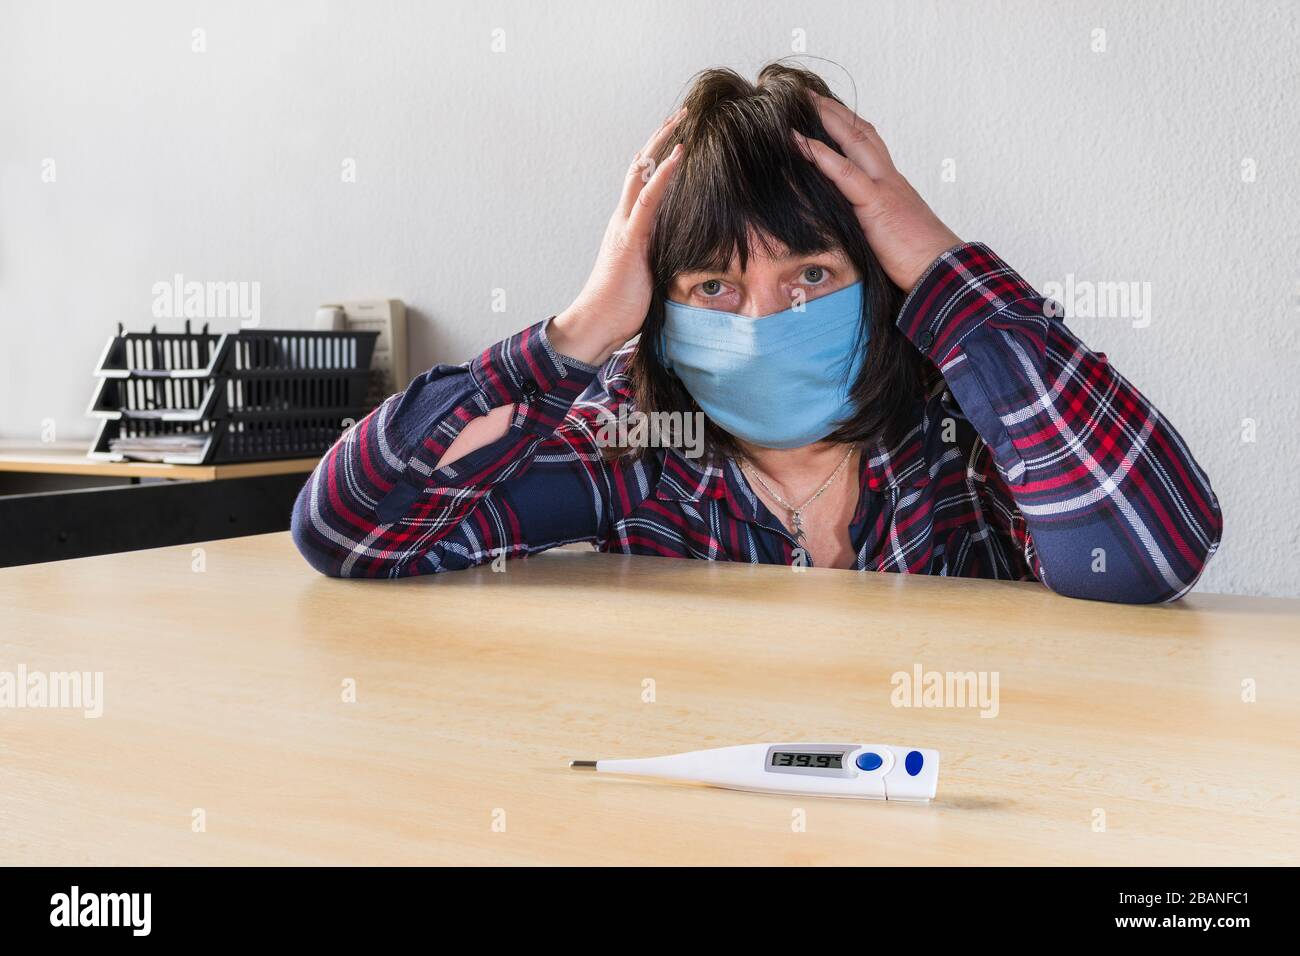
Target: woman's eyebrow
[[794, 258], [733, 270], [829, 252], [730, 272]]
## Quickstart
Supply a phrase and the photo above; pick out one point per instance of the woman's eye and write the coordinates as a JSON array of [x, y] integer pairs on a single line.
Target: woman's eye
[[814, 275], [712, 287]]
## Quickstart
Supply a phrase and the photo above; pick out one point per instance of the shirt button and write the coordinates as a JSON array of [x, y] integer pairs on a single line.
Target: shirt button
[[530, 389], [926, 340]]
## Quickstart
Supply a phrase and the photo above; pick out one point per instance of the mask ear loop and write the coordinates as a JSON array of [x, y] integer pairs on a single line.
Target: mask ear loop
[[862, 342], [662, 355]]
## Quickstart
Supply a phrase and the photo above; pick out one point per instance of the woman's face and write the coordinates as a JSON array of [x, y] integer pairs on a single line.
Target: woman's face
[[774, 281]]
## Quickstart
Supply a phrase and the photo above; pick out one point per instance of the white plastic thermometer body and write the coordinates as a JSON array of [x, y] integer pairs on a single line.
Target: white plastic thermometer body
[[865, 771]]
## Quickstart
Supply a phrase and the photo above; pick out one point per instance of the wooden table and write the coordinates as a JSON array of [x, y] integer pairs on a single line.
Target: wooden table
[[224, 674]]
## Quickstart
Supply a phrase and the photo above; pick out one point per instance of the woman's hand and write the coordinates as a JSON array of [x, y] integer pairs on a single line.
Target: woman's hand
[[903, 231], [613, 303]]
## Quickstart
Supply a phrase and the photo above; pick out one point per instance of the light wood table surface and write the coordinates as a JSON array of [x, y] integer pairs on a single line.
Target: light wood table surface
[[223, 692], [64, 460]]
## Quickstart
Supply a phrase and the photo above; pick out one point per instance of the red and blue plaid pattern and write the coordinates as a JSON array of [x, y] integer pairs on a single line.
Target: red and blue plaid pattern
[[1032, 458]]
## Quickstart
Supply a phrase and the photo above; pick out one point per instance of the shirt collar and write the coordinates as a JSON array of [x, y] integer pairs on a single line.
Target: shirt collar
[[884, 469]]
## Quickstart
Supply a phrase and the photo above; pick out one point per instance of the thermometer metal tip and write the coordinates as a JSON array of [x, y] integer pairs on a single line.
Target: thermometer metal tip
[[582, 765]]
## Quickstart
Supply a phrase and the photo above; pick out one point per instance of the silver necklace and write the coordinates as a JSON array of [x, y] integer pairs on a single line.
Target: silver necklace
[[796, 512]]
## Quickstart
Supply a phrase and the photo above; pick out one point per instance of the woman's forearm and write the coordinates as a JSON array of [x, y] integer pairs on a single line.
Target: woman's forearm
[[578, 338], [410, 475], [584, 336], [1096, 487], [478, 433]]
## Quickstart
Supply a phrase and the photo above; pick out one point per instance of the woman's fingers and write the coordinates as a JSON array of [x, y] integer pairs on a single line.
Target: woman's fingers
[[856, 137], [642, 218], [857, 186], [642, 168]]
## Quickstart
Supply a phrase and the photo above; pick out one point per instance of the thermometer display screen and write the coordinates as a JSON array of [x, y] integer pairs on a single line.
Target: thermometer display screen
[[785, 758]]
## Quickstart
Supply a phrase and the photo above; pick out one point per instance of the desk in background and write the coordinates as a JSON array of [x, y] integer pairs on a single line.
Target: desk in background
[[69, 459], [224, 693], [56, 503]]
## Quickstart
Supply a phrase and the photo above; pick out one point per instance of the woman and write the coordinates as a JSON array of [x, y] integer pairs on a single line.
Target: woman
[[875, 393]]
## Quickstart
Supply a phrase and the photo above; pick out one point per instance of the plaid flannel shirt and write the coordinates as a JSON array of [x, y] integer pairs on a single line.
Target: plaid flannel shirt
[[1031, 458]]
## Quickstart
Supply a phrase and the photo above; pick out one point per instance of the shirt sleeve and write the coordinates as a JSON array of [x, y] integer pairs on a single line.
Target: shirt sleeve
[[1087, 477], [377, 505]]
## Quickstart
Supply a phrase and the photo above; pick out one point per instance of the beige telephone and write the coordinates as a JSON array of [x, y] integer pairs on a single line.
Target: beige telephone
[[387, 317]]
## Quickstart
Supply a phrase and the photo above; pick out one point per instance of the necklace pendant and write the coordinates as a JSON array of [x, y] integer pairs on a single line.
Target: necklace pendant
[[796, 519]]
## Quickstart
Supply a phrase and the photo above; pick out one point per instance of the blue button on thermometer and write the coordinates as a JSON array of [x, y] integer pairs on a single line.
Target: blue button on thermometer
[[914, 763], [869, 761]]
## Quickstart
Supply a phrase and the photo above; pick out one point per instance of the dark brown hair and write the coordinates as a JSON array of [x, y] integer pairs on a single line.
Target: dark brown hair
[[744, 178]]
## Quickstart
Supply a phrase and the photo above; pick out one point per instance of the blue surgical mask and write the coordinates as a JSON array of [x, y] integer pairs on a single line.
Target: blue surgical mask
[[781, 381]]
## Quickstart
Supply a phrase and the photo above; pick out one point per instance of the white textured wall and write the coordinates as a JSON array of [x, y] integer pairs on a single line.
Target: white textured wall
[[481, 170]]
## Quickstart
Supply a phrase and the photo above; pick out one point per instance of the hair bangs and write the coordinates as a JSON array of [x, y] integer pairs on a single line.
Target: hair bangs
[[744, 189]]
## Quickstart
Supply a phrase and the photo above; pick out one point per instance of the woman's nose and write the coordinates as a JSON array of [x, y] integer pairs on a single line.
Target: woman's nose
[[767, 300]]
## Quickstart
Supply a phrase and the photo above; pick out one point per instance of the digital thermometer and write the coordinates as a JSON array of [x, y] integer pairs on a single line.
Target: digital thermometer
[[865, 771]]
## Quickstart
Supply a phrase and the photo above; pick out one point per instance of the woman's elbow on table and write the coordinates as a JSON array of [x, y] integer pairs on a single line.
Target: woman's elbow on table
[[1124, 588], [313, 543], [1114, 573]]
